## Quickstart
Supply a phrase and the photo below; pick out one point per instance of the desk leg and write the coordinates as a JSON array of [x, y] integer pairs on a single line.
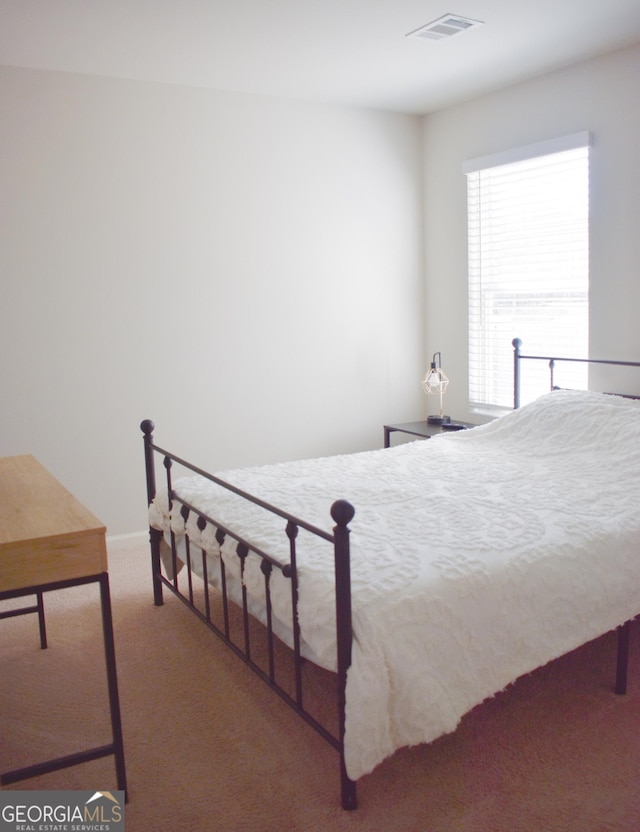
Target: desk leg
[[37, 607], [114, 700]]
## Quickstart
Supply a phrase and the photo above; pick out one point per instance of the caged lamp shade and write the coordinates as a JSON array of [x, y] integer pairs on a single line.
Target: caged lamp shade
[[435, 383]]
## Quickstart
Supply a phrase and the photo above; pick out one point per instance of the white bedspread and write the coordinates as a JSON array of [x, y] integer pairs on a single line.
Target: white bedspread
[[476, 557]]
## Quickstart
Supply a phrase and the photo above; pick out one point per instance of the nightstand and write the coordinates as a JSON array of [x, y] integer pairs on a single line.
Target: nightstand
[[423, 429]]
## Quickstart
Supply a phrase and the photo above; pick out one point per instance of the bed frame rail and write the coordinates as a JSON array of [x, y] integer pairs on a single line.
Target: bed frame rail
[[342, 513]]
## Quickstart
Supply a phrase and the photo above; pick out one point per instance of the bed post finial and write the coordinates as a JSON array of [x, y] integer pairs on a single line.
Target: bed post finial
[[516, 343], [147, 427], [342, 512]]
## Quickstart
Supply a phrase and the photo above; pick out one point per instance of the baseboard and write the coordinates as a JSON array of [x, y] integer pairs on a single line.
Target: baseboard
[[114, 538]]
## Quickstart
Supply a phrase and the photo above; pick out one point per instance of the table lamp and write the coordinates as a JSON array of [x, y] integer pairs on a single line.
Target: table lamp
[[434, 382]]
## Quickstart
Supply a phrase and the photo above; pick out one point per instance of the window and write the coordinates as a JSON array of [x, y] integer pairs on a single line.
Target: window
[[528, 226]]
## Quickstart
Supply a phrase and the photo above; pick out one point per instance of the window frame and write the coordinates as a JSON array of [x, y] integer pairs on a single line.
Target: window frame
[[490, 393]]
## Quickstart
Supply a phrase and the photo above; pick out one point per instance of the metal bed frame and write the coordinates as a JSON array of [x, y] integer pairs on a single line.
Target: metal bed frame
[[342, 513]]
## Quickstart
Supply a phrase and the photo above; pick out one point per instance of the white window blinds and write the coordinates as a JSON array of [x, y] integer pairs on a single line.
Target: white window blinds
[[528, 224]]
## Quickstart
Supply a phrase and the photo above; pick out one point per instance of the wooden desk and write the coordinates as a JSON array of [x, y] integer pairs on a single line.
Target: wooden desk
[[48, 541]]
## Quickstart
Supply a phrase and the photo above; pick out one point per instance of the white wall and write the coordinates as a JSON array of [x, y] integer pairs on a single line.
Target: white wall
[[600, 96], [244, 270]]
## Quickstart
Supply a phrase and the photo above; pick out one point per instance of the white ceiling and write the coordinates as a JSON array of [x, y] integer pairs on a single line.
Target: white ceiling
[[345, 51]]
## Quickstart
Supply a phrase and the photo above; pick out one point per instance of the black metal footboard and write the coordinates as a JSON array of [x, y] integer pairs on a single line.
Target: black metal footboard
[[195, 560]]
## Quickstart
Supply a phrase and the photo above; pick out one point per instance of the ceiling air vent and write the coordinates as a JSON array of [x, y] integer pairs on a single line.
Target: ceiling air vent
[[444, 27]]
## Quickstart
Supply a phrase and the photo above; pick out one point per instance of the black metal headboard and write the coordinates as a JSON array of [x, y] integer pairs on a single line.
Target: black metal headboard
[[518, 357]]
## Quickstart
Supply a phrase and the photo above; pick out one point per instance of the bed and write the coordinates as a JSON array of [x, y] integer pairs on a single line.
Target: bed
[[456, 565]]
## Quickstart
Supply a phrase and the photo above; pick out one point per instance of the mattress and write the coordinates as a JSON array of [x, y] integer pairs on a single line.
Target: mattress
[[476, 557]]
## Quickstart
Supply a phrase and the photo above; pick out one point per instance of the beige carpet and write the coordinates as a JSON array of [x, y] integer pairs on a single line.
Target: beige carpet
[[208, 747]]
